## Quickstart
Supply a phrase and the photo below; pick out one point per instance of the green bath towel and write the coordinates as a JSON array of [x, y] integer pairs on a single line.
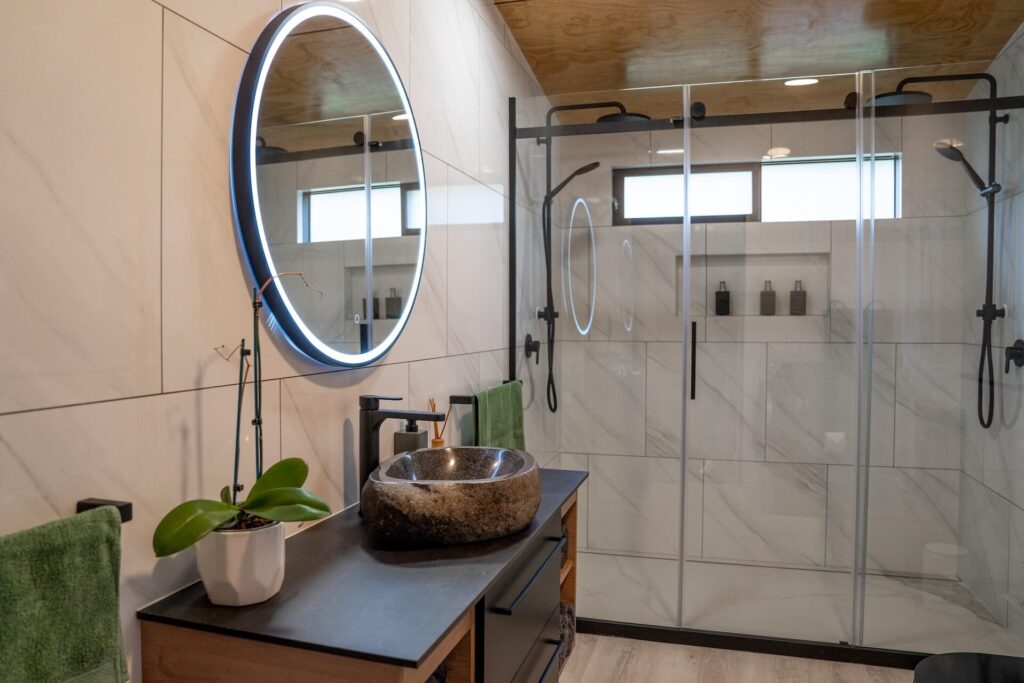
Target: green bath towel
[[59, 617], [500, 413]]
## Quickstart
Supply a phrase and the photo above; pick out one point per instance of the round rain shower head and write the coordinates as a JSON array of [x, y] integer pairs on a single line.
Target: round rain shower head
[[949, 149], [620, 117], [902, 97]]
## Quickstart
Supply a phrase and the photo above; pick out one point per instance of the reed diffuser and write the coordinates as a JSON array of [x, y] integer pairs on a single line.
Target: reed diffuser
[[438, 440]]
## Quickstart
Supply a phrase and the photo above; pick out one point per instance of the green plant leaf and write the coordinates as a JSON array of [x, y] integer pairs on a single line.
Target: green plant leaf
[[225, 495], [288, 473], [287, 504], [189, 522]]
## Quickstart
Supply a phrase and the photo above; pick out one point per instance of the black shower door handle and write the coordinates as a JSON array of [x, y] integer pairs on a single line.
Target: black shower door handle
[[693, 360]]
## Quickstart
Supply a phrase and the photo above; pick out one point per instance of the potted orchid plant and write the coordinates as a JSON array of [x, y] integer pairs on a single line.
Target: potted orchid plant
[[240, 545]]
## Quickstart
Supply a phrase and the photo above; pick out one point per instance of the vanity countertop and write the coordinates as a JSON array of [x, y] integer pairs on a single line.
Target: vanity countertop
[[346, 593]]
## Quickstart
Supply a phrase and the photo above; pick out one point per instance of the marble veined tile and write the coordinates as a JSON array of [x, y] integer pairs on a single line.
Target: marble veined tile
[[80, 248], [764, 512], [985, 534], [237, 21], [919, 280], [635, 590], [912, 520], [726, 421], [602, 397], [156, 452], [812, 403], [928, 408], [634, 505], [932, 186], [320, 423], [1016, 573]]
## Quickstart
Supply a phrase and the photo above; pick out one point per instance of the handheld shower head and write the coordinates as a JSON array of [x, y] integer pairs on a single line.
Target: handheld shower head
[[579, 171], [950, 149]]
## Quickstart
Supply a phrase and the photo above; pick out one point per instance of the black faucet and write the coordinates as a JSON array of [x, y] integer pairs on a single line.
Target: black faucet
[[371, 417]]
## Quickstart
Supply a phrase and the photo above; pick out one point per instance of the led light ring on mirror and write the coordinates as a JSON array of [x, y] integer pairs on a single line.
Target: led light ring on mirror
[[626, 267], [584, 330], [244, 190]]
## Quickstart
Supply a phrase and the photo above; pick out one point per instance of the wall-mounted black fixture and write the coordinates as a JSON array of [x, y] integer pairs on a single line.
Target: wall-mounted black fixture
[[123, 507], [1014, 354], [469, 401], [532, 348], [371, 417]]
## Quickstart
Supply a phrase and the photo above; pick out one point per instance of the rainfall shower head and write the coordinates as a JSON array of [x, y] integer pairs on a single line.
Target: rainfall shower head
[[579, 171], [621, 117], [899, 97], [950, 149]]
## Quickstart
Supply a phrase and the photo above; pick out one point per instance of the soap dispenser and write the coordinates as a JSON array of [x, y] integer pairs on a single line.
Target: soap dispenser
[[798, 299], [768, 299], [393, 305], [722, 299], [376, 307]]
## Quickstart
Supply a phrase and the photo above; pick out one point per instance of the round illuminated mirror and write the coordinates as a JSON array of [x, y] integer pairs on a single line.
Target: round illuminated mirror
[[328, 185]]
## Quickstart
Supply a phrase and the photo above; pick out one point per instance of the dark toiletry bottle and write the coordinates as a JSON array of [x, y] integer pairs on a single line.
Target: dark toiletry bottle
[[798, 299], [768, 299], [376, 307], [722, 299], [393, 305]]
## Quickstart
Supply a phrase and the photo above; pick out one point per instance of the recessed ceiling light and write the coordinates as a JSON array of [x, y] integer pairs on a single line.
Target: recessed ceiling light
[[400, 117], [801, 81], [671, 151], [777, 153]]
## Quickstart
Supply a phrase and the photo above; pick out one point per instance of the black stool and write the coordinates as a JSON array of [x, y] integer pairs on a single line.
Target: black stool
[[969, 667]]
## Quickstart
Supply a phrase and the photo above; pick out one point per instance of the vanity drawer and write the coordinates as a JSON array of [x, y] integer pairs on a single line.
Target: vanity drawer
[[518, 609], [541, 665]]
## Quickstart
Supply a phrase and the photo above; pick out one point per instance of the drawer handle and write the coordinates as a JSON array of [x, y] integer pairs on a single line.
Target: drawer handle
[[554, 658], [507, 611]]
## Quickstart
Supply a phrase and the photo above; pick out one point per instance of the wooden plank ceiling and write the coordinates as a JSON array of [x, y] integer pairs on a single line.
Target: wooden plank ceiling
[[590, 46]]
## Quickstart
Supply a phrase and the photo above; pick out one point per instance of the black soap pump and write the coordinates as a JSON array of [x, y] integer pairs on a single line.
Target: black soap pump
[[722, 299], [768, 299], [393, 304], [798, 299]]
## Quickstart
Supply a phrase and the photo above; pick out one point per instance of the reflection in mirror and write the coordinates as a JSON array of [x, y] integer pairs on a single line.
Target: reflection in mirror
[[336, 161]]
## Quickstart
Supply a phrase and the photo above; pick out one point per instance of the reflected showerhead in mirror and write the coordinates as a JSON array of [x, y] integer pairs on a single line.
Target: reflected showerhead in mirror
[[952, 149], [621, 117]]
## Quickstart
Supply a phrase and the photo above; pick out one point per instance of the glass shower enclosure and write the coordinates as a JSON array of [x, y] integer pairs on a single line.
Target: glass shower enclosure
[[752, 307]]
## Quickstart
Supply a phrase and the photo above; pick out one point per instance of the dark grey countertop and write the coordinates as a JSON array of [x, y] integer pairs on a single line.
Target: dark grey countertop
[[347, 593]]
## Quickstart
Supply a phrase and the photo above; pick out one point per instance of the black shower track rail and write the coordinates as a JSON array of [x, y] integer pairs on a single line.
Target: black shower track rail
[[676, 123]]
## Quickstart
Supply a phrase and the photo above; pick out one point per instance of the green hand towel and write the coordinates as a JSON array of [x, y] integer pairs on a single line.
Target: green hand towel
[[59, 600], [500, 414]]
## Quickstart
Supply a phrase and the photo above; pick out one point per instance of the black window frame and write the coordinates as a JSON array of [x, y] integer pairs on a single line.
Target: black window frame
[[619, 176]]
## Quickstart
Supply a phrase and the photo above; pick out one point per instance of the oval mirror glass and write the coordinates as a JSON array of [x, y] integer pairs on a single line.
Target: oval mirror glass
[[327, 178]]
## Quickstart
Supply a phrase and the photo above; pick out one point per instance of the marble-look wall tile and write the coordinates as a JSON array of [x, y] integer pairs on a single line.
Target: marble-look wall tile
[[919, 280], [715, 145], [1016, 572], [155, 452], [932, 186], [81, 199], [320, 424], [445, 75], [928, 409], [239, 22], [636, 590], [776, 328], [634, 505], [477, 298], [541, 426], [985, 535], [912, 520], [812, 403], [764, 512], [726, 421], [810, 237], [602, 397], [443, 377]]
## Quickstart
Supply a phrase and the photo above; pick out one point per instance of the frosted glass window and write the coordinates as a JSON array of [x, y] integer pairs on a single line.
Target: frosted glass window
[[340, 214], [826, 190], [727, 193]]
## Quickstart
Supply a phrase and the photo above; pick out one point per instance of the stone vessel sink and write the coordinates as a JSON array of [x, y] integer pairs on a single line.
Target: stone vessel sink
[[452, 495]]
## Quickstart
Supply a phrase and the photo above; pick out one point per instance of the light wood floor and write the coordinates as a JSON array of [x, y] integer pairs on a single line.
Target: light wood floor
[[600, 659]]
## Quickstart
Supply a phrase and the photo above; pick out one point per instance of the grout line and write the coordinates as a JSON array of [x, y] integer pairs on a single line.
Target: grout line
[[199, 26]]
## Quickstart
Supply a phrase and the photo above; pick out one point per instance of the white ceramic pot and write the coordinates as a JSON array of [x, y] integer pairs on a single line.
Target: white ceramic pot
[[242, 567]]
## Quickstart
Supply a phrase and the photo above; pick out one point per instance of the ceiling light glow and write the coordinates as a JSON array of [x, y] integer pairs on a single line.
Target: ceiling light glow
[[801, 81]]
